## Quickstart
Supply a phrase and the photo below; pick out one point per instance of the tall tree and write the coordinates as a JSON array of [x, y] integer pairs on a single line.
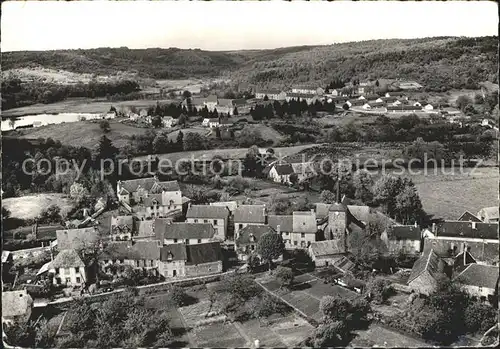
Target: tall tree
[[363, 183], [270, 247]]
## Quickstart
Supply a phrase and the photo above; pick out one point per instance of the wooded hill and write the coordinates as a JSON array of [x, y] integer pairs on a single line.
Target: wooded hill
[[438, 63]]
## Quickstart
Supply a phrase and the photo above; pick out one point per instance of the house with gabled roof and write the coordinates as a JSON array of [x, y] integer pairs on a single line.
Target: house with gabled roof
[[230, 205], [140, 254], [180, 260], [122, 227], [468, 217], [16, 307], [489, 214], [189, 233], [283, 225], [218, 216], [304, 229], [248, 238], [426, 272], [326, 253], [68, 268], [248, 214], [406, 239], [479, 280], [272, 94], [280, 173]]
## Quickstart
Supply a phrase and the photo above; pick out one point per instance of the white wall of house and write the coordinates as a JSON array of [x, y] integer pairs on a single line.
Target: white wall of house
[[73, 276], [298, 240], [275, 177], [424, 283], [172, 269], [477, 291], [186, 241]]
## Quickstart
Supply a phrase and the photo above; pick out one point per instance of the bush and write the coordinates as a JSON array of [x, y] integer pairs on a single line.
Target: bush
[[284, 276], [479, 317], [379, 290]]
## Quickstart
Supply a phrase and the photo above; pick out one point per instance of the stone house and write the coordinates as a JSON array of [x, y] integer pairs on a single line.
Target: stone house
[[426, 272], [188, 233], [248, 214], [68, 269], [280, 173], [122, 227], [489, 214], [142, 254], [406, 239], [16, 307], [180, 260], [135, 191], [479, 280], [272, 94], [325, 253], [218, 216], [248, 238]]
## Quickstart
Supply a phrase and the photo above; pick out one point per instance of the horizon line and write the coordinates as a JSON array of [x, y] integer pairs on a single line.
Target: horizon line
[[249, 49]]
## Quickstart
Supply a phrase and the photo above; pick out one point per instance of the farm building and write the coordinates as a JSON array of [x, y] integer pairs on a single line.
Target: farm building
[[16, 307], [248, 214], [218, 216], [189, 233], [308, 90], [479, 280], [402, 239], [272, 94], [488, 214], [425, 273], [325, 253]]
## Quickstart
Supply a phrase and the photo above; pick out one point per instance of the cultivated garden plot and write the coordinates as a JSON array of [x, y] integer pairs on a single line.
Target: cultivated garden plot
[[218, 335]]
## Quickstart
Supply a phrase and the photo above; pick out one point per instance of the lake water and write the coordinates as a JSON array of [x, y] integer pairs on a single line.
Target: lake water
[[47, 119]]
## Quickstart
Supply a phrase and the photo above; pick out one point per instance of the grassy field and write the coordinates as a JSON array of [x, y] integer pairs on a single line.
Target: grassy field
[[383, 337], [28, 207], [449, 195], [232, 153], [84, 133]]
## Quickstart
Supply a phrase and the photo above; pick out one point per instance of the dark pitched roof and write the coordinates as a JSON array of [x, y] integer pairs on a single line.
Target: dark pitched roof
[[133, 250], [67, 259], [480, 250], [479, 275], [250, 214], [322, 210], [326, 248], [145, 228], [284, 169], [158, 187], [403, 107], [188, 231], [203, 253], [429, 261], [122, 221], [268, 91], [252, 230], [239, 102], [153, 199], [158, 227], [404, 232], [337, 207], [467, 229], [175, 252], [468, 217], [131, 185], [301, 95], [76, 238], [207, 211], [285, 222]]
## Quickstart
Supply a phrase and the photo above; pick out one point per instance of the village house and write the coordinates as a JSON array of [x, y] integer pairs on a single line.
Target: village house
[[488, 214], [280, 173], [142, 254], [272, 94], [122, 227], [16, 307], [248, 238], [326, 253], [426, 272], [479, 280], [429, 107], [468, 217], [134, 191], [145, 230], [408, 85], [283, 225], [308, 90], [405, 239], [169, 121], [403, 108], [355, 102], [308, 97], [450, 238], [68, 268], [180, 260], [218, 216], [304, 229], [189, 233], [248, 214]]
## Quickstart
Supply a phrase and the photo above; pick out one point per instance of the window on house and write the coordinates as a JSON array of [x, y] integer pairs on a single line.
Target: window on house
[[199, 241], [196, 221], [152, 207], [78, 280], [302, 235], [215, 221], [68, 280], [295, 243], [205, 221], [175, 240], [57, 270], [252, 247], [151, 263], [157, 207], [121, 261], [187, 241], [287, 233], [174, 272], [302, 244], [241, 226]]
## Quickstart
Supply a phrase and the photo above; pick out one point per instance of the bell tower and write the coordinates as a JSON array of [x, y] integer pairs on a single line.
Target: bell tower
[[337, 222]]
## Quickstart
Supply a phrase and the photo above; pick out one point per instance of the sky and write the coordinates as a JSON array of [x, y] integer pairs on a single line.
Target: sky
[[224, 25]]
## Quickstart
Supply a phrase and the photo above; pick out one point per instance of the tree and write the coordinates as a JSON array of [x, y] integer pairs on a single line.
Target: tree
[[463, 101], [105, 149], [104, 126], [78, 192], [379, 290], [186, 94], [156, 121], [284, 276], [270, 246], [328, 197], [253, 262], [179, 296], [182, 120], [266, 98], [51, 214], [161, 143], [408, 205], [385, 191], [235, 111], [363, 183], [332, 334], [193, 141], [479, 317]]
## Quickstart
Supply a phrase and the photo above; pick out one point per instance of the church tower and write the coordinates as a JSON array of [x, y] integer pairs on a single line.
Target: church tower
[[337, 222]]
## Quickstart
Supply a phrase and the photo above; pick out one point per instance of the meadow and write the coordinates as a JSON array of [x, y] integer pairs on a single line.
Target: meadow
[[30, 206]]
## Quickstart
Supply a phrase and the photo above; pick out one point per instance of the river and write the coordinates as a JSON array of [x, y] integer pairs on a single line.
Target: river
[[47, 119]]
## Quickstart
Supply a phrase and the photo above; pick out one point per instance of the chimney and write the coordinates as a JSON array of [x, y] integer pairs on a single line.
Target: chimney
[[278, 229]]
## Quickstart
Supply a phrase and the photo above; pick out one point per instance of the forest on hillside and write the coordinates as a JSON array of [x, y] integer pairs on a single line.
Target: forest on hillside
[[439, 64]]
